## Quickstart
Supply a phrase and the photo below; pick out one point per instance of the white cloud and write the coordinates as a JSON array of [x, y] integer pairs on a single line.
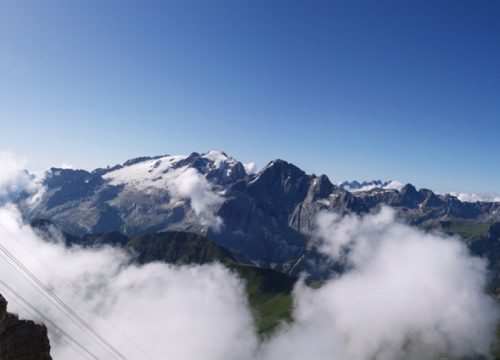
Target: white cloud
[[250, 168], [468, 197], [394, 185], [168, 311], [14, 178], [407, 294], [188, 183]]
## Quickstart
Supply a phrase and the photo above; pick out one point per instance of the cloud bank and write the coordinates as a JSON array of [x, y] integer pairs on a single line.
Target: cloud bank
[[408, 294], [168, 311], [404, 294]]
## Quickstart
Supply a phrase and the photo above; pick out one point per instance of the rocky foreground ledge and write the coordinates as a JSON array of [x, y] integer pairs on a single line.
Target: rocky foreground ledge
[[21, 339]]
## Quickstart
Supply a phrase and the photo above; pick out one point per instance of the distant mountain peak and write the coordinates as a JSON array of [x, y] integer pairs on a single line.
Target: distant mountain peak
[[322, 187], [283, 167], [356, 186]]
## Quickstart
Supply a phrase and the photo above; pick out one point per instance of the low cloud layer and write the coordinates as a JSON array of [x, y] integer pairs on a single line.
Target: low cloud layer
[[167, 311], [407, 294]]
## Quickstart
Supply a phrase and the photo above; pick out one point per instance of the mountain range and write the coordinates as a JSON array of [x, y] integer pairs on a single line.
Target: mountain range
[[266, 218]]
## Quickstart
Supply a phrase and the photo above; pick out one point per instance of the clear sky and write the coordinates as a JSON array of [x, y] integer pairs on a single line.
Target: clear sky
[[406, 90]]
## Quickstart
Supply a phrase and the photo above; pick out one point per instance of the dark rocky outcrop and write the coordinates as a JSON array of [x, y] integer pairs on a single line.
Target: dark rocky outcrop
[[21, 339], [177, 247]]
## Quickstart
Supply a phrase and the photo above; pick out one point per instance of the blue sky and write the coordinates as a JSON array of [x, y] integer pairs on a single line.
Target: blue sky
[[406, 90]]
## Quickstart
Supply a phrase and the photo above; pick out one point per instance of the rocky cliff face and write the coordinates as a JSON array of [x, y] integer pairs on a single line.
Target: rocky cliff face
[[21, 339]]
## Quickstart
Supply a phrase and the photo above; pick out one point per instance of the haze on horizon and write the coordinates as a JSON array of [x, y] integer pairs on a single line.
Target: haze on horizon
[[355, 90]]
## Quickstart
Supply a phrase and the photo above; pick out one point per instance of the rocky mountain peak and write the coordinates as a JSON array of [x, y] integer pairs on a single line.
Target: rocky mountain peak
[[321, 187], [284, 168], [409, 191], [429, 198], [410, 197], [280, 182]]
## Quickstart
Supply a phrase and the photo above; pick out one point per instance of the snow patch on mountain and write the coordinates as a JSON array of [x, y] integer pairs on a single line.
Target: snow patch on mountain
[[183, 183], [218, 158], [144, 174]]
